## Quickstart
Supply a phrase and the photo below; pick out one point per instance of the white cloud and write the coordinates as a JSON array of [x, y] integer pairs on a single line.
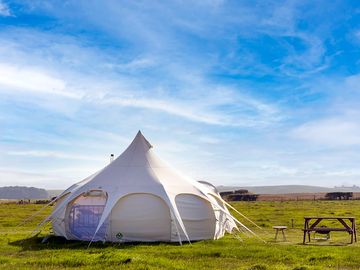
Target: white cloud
[[200, 109], [134, 65], [209, 140], [31, 79], [169, 107], [54, 179], [309, 61], [332, 132], [208, 20], [344, 173], [207, 111], [351, 83], [4, 10], [22, 178], [162, 70], [54, 154], [275, 169], [195, 99]]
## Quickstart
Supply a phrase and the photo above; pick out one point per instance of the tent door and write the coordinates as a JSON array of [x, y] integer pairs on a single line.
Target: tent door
[[84, 220], [84, 216]]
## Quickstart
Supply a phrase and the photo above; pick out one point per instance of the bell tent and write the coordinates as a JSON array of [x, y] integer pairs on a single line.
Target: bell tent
[[138, 197]]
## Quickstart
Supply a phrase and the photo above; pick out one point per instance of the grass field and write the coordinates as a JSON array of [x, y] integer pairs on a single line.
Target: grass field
[[19, 252]]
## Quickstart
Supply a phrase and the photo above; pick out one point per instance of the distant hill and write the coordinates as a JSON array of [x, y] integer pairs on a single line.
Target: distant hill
[[19, 192], [27, 193], [287, 189], [54, 192], [283, 189]]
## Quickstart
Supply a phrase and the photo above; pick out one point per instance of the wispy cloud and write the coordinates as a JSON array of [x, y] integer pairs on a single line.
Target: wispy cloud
[[206, 102], [333, 132], [270, 22], [198, 111], [4, 10], [274, 82], [55, 179], [168, 107], [53, 154], [33, 80]]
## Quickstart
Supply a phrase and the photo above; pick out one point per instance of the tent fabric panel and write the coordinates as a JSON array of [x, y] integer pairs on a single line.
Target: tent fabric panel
[[199, 230], [115, 194], [127, 179], [174, 231], [221, 216], [140, 217], [90, 200], [58, 224], [175, 183], [133, 156], [221, 221], [197, 216], [192, 207], [229, 220]]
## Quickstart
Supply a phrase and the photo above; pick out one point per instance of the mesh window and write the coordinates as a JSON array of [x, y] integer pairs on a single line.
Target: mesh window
[[84, 220]]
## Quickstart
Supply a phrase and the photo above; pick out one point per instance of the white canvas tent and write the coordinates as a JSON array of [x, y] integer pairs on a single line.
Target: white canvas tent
[[138, 197]]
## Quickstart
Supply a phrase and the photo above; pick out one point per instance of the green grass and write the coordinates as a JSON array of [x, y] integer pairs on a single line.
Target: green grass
[[17, 251]]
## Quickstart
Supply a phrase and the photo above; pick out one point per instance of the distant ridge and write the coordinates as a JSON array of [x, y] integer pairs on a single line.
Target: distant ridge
[[54, 192], [21, 193], [288, 189]]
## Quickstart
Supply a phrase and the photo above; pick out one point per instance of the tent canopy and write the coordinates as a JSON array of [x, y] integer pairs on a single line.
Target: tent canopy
[[138, 197]]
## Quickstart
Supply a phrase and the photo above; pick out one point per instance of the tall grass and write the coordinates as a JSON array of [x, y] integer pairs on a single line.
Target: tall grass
[[17, 251]]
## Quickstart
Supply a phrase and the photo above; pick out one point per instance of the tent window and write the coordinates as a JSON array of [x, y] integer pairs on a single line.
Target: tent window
[[84, 218]]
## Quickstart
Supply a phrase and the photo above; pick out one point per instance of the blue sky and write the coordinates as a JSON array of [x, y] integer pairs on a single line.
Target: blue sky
[[232, 92]]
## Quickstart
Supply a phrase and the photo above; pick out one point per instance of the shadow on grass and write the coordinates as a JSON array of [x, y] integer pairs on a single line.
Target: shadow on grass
[[325, 244], [56, 242]]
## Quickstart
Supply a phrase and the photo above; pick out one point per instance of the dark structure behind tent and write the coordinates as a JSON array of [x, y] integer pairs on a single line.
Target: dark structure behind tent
[[339, 195], [239, 195]]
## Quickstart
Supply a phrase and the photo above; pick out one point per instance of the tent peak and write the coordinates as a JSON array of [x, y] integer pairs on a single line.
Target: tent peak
[[140, 137]]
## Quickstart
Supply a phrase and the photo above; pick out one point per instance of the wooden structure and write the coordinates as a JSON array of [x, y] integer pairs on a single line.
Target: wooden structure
[[339, 195], [238, 195], [348, 225], [242, 197], [281, 229]]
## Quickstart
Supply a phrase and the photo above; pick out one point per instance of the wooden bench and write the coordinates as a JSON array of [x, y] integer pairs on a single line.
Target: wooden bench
[[350, 228]]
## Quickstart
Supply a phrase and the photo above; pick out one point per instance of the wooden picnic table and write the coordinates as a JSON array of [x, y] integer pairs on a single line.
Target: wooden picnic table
[[348, 225]]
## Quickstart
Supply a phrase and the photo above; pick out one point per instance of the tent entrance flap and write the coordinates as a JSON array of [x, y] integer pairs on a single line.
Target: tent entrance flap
[[84, 216], [140, 217], [84, 220]]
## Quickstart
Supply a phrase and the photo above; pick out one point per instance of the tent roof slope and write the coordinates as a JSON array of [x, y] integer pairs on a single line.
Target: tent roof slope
[[138, 164], [138, 169]]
